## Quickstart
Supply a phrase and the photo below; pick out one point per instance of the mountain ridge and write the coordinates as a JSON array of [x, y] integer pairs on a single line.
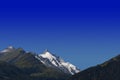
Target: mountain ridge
[[109, 70], [29, 65], [48, 59], [52, 60]]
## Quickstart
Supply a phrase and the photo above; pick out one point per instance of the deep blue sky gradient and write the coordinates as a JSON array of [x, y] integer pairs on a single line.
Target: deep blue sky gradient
[[84, 33]]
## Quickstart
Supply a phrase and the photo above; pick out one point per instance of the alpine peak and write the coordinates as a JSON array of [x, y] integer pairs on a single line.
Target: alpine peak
[[54, 61], [11, 47], [8, 49]]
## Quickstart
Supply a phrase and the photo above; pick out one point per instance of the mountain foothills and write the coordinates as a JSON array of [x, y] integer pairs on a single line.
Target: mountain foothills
[[17, 64], [109, 70]]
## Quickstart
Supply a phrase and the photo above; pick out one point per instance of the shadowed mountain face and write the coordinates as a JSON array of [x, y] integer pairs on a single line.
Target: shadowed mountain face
[[11, 72], [25, 65], [109, 70]]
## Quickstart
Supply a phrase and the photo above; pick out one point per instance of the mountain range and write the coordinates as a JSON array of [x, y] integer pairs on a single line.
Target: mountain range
[[30, 66], [17, 64]]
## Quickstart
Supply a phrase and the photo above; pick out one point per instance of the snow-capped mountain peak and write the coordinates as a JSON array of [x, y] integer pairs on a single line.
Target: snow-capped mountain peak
[[47, 54], [8, 49], [54, 61]]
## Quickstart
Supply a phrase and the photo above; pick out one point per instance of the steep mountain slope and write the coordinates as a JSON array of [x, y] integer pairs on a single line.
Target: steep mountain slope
[[10, 72], [54, 61], [11, 54], [109, 70], [33, 67], [30, 65]]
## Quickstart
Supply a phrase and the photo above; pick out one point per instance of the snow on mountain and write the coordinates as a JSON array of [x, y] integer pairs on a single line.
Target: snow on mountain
[[54, 61], [51, 60], [9, 49]]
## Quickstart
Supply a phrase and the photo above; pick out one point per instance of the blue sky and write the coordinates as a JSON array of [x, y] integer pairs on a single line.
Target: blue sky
[[84, 33]]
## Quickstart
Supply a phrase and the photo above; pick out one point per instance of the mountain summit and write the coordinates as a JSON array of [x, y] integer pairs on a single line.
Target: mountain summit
[[51, 60], [8, 49]]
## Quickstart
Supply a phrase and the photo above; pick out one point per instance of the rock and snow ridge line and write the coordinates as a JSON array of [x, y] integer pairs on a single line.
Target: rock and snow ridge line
[[51, 60]]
